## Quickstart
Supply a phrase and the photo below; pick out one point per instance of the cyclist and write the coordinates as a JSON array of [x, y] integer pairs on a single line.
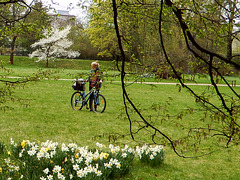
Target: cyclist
[[95, 79]]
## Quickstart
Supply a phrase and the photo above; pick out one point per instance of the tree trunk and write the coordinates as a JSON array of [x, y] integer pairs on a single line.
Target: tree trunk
[[230, 30], [47, 63], [229, 47], [12, 49]]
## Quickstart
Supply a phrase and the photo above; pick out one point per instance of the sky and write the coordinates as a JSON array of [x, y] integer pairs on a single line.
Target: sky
[[70, 5]]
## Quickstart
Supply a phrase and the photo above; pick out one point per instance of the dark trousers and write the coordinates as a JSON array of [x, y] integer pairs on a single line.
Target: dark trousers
[[90, 98]]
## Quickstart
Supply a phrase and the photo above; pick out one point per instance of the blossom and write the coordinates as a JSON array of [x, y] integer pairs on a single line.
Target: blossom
[[72, 146], [104, 155], [55, 44], [151, 157], [57, 169], [118, 165], [100, 145], [108, 165], [17, 168], [46, 171], [76, 167], [31, 152], [60, 176], [79, 160], [23, 143], [11, 141], [64, 148], [124, 155], [114, 149], [50, 177], [8, 160], [80, 173], [98, 173], [130, 150]]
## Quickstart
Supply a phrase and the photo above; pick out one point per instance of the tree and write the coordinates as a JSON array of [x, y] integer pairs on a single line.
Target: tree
[[220, 122], [11, 17], [33, 27], [139, 27], [55, 44], [8, 87], [82, 43], [219, 19], [101, 29], [15, 22]]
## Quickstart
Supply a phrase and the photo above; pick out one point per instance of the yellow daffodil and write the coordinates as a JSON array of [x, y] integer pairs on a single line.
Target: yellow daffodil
[[105, 155], [23, 144]]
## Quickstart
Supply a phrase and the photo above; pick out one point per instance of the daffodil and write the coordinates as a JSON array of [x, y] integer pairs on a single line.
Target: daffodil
[[23, 144], [118, 165], [104, 155], [46, 171]]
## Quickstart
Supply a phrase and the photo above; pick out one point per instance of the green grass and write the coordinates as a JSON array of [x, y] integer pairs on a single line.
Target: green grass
[[70, 68], [49, 116]]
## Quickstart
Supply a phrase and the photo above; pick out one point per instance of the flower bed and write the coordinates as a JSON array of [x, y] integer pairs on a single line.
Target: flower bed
[[49, 160]]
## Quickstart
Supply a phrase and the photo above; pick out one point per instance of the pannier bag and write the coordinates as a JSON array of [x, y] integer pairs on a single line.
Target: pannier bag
[[79, 85]]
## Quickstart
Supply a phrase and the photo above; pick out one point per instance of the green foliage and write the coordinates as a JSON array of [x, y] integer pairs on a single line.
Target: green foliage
[[21, 25], [33, 26], [82, 43], [101, 29]]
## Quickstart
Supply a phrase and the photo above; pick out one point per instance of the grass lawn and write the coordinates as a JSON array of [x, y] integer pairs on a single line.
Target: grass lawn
[[45, 114]]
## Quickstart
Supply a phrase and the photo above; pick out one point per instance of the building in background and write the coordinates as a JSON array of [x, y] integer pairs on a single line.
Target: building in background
[[63, 18]]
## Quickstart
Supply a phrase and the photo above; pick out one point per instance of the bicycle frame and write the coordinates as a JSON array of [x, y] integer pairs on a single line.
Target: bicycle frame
[[87, 96], [80, 98]]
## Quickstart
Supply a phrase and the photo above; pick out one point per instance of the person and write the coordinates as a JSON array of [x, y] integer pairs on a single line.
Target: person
[[95, 79]]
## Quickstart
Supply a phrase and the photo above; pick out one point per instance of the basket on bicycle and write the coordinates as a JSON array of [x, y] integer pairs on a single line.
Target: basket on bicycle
[[79, 85]]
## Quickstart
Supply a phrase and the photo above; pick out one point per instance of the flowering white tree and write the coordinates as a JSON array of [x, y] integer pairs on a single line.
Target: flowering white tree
[[55, 44]]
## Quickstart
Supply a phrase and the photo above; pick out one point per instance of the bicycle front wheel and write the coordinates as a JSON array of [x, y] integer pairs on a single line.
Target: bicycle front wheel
[[98, 104], [77, 101]]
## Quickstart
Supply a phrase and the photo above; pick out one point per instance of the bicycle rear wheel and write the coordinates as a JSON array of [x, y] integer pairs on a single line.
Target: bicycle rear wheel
[[100, 104], [77, 101]]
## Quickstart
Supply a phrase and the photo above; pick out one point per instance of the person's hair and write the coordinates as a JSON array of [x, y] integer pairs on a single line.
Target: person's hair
[[95, 63]]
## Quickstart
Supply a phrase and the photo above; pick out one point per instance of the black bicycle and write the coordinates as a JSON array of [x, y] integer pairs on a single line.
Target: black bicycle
[[80, 98]]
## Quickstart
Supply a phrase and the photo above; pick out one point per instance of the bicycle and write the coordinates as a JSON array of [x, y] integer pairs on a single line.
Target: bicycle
[[80, 98]]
